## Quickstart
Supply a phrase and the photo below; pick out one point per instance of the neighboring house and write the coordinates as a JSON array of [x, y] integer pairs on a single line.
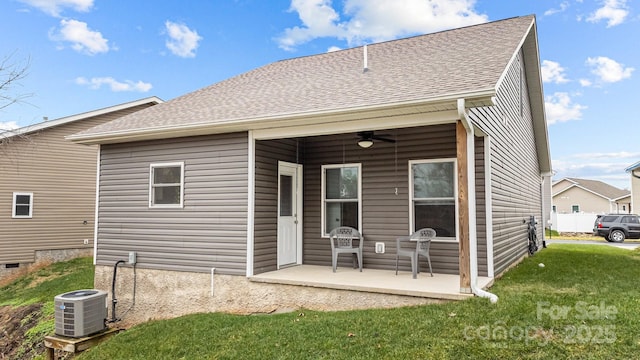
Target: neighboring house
[[571, 195], [47, 189], [224, 191], [634, 172]]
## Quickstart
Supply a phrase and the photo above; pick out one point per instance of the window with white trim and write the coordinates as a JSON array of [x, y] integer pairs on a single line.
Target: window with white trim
[[341, 196], [433, 197], [166, 185], [575, 208], [22, 205]]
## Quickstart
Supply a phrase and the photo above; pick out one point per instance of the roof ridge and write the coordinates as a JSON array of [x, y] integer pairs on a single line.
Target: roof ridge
[[404, 38]]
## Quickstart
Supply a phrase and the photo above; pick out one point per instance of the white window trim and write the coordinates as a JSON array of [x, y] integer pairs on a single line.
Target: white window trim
[[575, 212], [13, 208], [167, 164], [323, 200], [455, 196]]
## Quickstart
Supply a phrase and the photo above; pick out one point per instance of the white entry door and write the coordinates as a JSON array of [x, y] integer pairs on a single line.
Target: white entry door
[[289, 214]]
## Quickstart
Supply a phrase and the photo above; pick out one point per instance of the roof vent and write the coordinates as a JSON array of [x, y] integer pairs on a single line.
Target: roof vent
[[365, 65]]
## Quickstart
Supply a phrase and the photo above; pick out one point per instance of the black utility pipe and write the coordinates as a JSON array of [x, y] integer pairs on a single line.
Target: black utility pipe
[[114, 301]]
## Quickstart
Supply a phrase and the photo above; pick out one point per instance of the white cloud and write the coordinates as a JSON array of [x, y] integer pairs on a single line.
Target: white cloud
[[333, 48], [613, 11], [319, 20], [82, 39], [116, 86], [55, 7], [553, 72], [182, 41], [594, 166], [376, 20], [585, 82], [559, 108], [609, 155], [8, 125], [608, 70], [563, 6]]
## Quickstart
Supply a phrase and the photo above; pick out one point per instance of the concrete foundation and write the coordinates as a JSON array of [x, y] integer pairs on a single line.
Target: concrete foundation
[[166, 294]]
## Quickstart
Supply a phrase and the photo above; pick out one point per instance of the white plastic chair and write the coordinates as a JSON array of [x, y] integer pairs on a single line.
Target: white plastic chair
[[420, 243], [342, 243]]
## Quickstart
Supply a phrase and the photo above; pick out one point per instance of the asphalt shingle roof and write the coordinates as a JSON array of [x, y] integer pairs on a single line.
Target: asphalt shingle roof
[[599, 187], [420, 68]]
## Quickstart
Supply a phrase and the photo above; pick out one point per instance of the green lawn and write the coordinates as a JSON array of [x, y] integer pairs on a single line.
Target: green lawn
[[582, 304]]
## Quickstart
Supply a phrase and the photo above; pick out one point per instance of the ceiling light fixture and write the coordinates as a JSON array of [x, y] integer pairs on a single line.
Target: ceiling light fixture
[[365, 143]]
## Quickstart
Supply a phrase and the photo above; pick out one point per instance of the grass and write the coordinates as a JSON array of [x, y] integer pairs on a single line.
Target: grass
[[43, 285], [40, 287], [582, 304], [550, 233]]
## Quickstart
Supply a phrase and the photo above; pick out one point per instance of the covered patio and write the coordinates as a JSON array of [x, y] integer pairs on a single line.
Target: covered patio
[[417, 178], [440, 286]]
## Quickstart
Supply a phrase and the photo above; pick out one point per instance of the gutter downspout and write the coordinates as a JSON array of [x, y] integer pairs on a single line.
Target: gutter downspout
[[473, 239]]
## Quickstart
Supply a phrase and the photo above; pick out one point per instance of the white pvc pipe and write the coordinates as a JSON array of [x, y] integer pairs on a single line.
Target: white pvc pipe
[[212, 278], [485, 294], [366, 60]]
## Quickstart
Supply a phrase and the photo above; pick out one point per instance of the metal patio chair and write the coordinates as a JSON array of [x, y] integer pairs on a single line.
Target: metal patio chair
[[420, 243], [342, 243]]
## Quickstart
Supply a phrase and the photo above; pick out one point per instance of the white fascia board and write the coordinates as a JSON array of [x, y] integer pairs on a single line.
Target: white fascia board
[[531, 58], [622, 197], [384, 111], [68, 119], [563, 190], [563, 179]]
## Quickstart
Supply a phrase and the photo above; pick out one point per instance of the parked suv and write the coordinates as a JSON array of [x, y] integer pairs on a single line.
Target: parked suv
[[617, 227]]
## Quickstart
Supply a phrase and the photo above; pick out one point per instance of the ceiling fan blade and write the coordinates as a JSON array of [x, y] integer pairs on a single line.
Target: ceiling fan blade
[[382, 138], [369, 135]]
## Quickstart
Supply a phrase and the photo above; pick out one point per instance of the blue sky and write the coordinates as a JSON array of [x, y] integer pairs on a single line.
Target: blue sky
[[84, 55]]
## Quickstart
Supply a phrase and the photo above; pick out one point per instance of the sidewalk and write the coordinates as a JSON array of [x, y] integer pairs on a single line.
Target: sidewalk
[[624, 245]]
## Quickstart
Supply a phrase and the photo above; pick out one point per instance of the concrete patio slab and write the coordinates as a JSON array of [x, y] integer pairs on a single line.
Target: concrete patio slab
[[440, 286]]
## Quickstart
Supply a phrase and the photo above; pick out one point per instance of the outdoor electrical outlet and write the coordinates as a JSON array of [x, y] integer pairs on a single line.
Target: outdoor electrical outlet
[[379, 248], [132, 257], [85, 241]]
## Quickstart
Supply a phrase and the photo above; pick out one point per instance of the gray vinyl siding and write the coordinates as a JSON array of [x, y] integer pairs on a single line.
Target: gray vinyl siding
[[515, 173], [385, 214], [481, 212], [209, 232], [268, 153], [62, 177]]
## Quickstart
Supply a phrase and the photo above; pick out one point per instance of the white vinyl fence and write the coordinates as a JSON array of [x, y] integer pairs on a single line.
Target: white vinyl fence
[[577, 222]]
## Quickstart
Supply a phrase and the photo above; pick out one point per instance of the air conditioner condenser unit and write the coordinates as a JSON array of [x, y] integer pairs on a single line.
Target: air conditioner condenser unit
[[80, 313]]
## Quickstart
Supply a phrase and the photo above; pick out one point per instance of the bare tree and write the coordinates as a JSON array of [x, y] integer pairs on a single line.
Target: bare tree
[[11, 73]]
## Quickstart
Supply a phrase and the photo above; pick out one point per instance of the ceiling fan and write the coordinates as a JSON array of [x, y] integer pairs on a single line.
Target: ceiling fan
[[366, 138]]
